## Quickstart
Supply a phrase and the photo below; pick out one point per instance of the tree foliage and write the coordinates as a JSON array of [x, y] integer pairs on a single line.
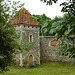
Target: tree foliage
[[68, 5], [44, 21], [8, 36], [65, 29], [49, 2]]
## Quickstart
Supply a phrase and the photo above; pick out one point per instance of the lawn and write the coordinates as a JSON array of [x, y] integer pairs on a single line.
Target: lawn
[[52, 68]]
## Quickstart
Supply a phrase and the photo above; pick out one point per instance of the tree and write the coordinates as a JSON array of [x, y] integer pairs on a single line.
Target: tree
[[43, 20], [68, 5], [65, 29], [50, 2], [46, 23], [45, 30], [8, 36]]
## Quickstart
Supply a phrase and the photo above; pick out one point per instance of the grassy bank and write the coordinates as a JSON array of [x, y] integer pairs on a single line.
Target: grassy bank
[[52, 68]]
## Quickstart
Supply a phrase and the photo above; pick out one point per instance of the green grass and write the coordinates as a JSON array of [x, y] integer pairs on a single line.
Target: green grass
[[52, 68]]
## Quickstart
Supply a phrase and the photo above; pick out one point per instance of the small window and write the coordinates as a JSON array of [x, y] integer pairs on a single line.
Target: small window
[[30, 38]]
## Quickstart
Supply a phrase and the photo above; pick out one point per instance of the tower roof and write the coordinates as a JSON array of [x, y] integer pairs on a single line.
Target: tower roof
[[22, 17]]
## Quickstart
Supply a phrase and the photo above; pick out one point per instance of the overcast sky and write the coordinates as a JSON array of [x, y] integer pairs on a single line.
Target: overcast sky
[[37, 7]]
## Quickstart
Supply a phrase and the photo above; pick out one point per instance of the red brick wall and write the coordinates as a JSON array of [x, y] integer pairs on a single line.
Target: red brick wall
[[54, 43]]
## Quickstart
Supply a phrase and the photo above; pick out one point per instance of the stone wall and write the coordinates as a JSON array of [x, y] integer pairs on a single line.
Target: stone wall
[[24, 58], [44, 48], [48, 51]]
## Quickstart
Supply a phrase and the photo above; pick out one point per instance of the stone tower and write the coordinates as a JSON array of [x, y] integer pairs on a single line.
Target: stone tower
[[31, 29]]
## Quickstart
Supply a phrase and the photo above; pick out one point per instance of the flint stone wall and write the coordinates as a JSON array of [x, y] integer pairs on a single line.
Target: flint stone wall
[[48, 52], [35, 51], [44, 48]]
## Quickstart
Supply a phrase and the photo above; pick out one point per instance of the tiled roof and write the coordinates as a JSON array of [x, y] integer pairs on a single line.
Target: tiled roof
[[22, 17]]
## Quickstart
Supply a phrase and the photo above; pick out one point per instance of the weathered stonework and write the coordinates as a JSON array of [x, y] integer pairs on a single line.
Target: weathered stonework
[[22, 58], [48, 52], [44, 48]]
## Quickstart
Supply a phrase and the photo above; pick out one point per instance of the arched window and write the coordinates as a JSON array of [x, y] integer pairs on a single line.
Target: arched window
[[30, 38]]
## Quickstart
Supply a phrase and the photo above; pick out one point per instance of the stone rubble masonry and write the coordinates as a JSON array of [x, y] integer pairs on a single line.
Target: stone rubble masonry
[[35, 51], [48, 52], [44, 47]]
